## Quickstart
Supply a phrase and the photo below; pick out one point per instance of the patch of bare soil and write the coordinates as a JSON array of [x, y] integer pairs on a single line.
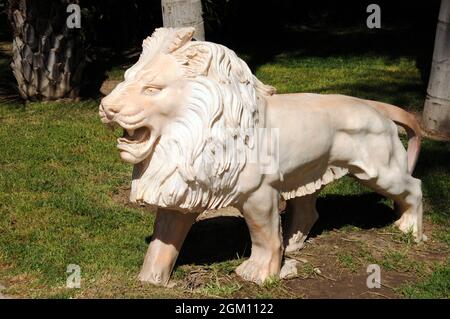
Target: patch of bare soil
[[2, 296], [340, 261], [352, 233]]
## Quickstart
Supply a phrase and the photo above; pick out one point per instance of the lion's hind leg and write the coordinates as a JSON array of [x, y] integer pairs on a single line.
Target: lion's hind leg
[[388, 175], [301, 215], [407, 194], [410, 208]]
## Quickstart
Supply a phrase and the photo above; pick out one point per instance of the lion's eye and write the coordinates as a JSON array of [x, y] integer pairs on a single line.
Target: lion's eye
[[151, 90]]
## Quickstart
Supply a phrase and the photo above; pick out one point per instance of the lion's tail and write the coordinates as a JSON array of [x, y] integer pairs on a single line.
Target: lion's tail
[[409, 123]]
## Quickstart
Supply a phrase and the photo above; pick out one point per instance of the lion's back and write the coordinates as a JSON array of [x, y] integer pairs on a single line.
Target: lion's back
[[344, 113]]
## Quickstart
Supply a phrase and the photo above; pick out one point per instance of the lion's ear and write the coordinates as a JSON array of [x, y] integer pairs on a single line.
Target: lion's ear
[[181, 37], [195, 59]]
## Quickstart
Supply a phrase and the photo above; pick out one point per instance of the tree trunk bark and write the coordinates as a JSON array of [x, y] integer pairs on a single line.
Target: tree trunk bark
[[184, 13], [48, 57], [436, 113]]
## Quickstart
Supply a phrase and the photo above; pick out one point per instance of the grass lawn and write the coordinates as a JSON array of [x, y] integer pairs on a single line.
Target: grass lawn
[[62, 188]]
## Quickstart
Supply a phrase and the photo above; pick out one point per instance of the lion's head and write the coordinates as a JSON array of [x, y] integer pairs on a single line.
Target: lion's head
[[185, 108]]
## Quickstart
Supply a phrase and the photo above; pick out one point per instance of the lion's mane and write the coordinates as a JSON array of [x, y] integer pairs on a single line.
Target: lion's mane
[[196, 163]]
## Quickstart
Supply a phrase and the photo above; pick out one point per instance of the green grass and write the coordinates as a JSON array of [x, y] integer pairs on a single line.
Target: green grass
[[219, 289], [356, 259], [399, 261], [58, 174], [306, 270], [272, 282], [435, 285], [59, 171], [392, 80], [348, 260], [117, 72]]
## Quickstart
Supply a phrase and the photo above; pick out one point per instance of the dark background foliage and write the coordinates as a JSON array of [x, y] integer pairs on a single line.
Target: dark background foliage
[[114, 29]]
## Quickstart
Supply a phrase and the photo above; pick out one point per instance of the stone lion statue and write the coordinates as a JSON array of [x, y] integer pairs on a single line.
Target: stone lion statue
[[192, 114]]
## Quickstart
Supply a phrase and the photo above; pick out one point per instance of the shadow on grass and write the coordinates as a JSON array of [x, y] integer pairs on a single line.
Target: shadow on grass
[[216, 239], [226, 237], [364, 211], [433, 169], [8, 84], [434, 155]]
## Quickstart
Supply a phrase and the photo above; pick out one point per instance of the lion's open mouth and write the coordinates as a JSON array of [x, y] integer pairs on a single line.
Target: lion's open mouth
[[136, 144], [135, 136]]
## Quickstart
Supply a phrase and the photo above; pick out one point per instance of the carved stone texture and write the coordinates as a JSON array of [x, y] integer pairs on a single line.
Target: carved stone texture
[[204, 133]]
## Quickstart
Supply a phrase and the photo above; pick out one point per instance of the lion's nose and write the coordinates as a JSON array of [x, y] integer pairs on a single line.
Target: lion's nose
[[110, 109]]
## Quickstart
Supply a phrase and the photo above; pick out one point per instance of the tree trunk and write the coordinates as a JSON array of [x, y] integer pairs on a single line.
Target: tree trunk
[[184, 13], [436, 114], [48, 57]]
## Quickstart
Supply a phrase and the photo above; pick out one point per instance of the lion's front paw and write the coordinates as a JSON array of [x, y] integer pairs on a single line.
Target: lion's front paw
[[256, 271], [158, 278]]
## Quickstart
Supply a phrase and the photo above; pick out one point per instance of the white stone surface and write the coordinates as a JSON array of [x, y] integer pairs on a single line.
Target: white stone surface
[[289, 269]]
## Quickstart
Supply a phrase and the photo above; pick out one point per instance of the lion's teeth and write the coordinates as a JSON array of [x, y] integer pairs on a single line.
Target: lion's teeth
[[131, 132]]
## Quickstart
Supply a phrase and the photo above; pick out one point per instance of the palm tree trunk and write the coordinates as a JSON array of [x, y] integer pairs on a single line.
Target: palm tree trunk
[[184, 13], [48, 57], [436, 113]]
